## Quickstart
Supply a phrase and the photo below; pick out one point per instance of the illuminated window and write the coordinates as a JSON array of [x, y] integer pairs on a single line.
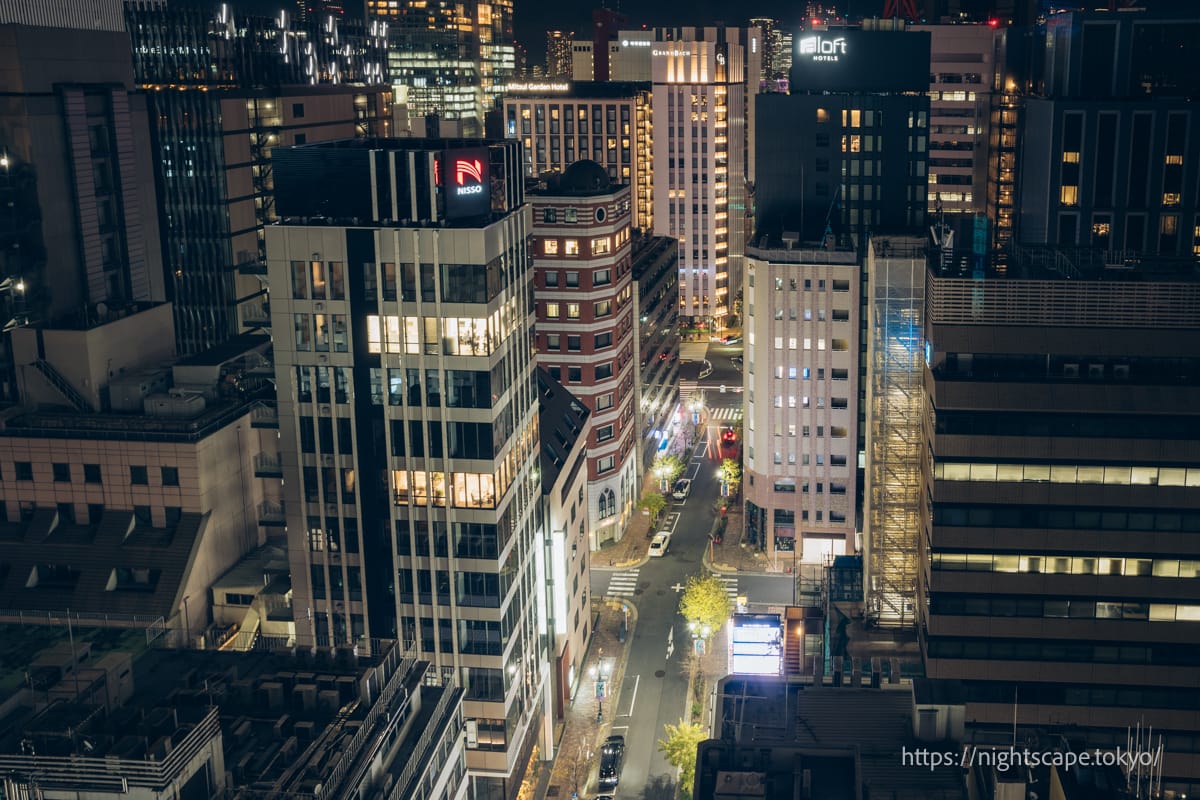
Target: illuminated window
[[601, 245], [1196, 240], [572, 247], [1174, 160], [572, 310], [552, 311], [1170, 198], [822, 115], [1070, 158], [550, 247], [1069, 196]]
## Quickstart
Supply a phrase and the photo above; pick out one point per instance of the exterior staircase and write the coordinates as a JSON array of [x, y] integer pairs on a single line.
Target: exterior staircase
[[64, 387]]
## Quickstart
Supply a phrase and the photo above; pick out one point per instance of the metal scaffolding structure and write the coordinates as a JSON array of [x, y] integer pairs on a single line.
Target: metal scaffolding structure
[[895, 411]]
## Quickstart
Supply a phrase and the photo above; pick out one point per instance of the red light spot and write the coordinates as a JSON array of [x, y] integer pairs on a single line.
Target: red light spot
[[816, 21], [995, 23]]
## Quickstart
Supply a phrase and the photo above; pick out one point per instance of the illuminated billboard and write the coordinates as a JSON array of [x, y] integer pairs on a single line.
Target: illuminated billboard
[[465, 181], [853, 60], [756, 645]]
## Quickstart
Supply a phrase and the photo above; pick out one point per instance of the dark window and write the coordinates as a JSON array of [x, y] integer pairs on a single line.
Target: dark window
[[298, 110], [138, 476], [62, 473], [1139, 168], [24, 470], [1106, 147], [173, 515], [91, 473], [170, 476], [301, 138]]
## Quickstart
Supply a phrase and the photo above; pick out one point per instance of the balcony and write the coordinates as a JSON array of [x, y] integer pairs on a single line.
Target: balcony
[[264, 416], [271, 515], [268, 465]]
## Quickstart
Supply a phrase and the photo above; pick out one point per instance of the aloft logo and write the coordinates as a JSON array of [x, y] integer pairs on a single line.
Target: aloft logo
[[819, 48], [468, 170]]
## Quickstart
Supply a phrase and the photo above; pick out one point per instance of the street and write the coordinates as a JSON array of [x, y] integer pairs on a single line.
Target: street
[[654, 689]]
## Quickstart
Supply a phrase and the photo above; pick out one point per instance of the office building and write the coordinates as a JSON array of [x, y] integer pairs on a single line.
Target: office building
[[558, 53], [236, 725], [78, 229], [582, 226], [132, 480], [1105, 159], [450, 59], [1058, 548], [894, 413], [703, 82], [656, 331], [406, 385], [214, 136], [801, 380], [848, 146], [560, 122], [775, 48], [961, 76], [564, 435]]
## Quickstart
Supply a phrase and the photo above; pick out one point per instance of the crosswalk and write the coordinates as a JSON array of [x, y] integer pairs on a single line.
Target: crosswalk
[[725, 414], [688, 388], [624, 583], [731, 585]]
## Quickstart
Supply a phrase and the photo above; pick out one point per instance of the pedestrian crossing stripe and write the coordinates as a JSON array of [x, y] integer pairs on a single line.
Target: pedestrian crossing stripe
[[623, 583], [726, 413]]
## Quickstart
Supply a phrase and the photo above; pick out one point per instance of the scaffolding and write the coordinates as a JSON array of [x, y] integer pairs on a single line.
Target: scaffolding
[[895, 412]]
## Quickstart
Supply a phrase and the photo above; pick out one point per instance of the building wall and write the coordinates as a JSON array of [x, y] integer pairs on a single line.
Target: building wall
[[701, 105], [599, 310], [802, 333], [1058, 560], [961, 75], [559, 129], [466, 596]]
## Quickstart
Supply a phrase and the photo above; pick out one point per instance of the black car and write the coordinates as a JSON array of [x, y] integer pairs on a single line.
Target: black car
[[612, 755]]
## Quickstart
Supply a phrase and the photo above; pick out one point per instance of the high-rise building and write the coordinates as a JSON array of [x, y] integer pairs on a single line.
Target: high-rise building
[[962, 63], [703, 80], [558, 53], [214, 136], [408, 419], [78, 229], [582, 228], [447, 58], [559, 123], [801, 334], [775, 50], [1104, 134], [1059, 551], [656, 326]]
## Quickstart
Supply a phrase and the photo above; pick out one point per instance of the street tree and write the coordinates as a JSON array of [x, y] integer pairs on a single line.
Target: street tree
[[679, 748], [731, 475], [667, 467], [705, 602], [654, 503]]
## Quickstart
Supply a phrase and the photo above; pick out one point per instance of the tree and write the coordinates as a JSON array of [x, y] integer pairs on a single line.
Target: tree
[[680, 750], [731, 475], [667, 467], [705, 602], [654, 503]]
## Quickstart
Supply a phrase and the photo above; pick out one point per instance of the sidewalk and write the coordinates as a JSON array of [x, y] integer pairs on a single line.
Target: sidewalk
[[631, 551], [579, 745], [735, 555]]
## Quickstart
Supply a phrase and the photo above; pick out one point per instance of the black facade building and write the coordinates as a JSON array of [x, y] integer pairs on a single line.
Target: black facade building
[[190, 61], [847, 148], [1107, 155]]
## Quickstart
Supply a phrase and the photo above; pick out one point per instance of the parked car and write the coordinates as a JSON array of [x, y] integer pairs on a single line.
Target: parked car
[[731, 340], [682, 487], [660, 544], [612, 756]]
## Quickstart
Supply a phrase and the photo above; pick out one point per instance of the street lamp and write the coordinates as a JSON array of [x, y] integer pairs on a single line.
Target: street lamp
[[661, 472]]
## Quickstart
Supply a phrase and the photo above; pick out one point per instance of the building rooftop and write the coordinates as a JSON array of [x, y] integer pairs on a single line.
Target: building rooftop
[[847, 738], [292, 724], [787, 247], [120, 563], [599, 90], [563, 419]]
